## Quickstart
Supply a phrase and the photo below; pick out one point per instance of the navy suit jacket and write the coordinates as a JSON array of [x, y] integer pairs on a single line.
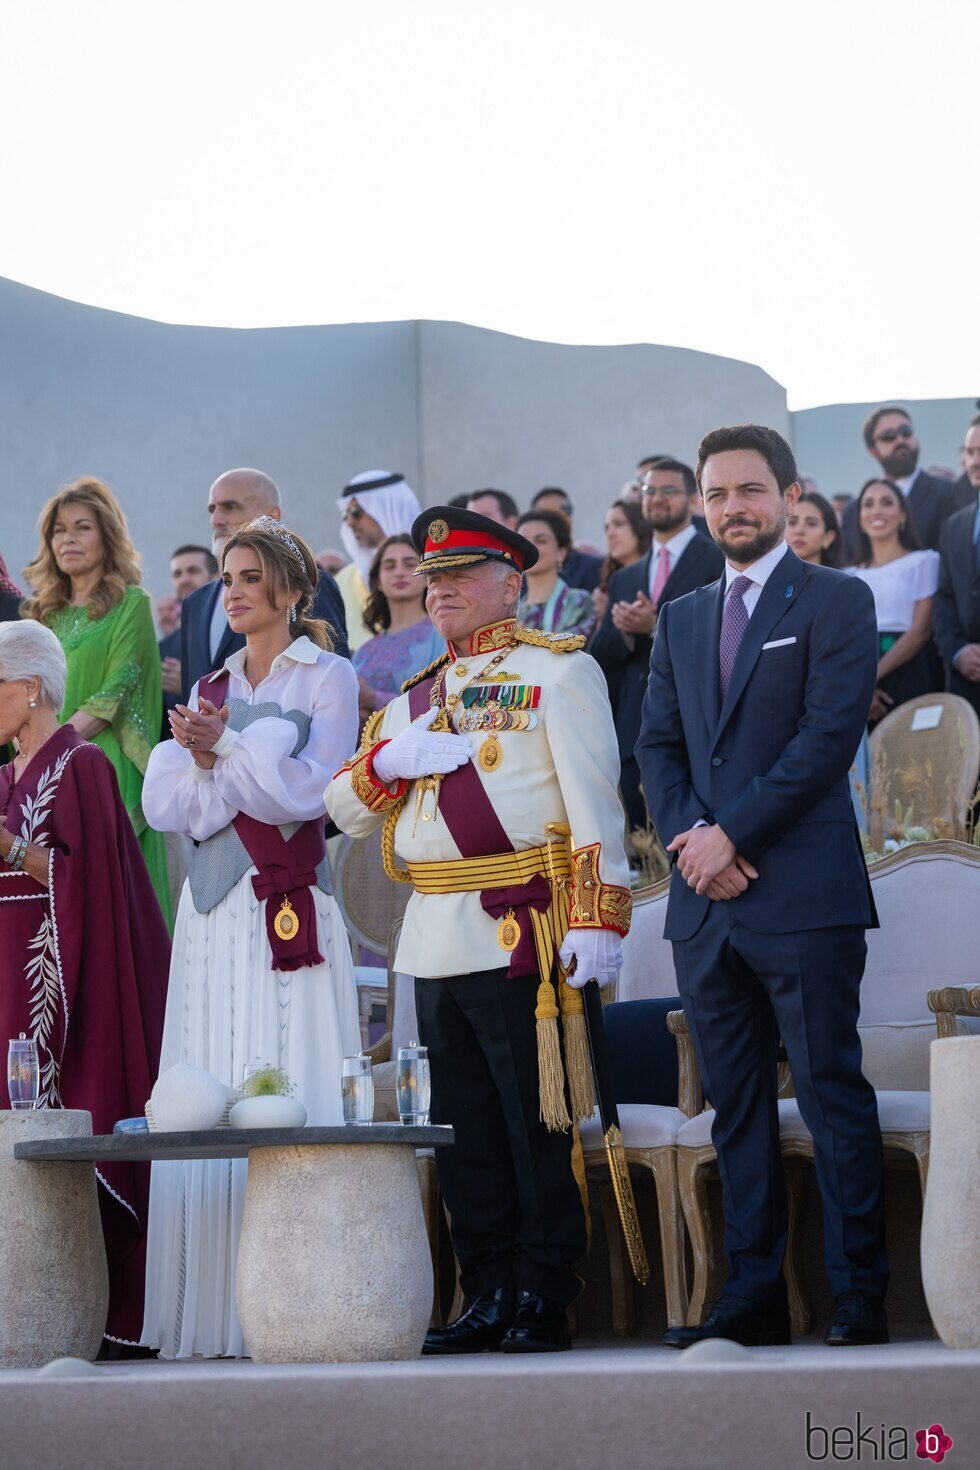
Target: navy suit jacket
[[195, 629], [627, 669], [581, 569], [771, 765]]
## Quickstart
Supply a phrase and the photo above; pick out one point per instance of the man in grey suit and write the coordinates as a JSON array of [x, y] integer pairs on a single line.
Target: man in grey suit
[[956, 605]]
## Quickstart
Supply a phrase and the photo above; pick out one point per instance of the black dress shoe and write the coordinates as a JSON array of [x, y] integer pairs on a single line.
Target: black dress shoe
[[540, 1326], [753, 1324], [859, 1320], [480, 1329]]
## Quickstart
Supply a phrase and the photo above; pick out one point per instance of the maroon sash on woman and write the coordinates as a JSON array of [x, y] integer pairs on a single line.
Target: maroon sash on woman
[[476, 830], [286, 870]]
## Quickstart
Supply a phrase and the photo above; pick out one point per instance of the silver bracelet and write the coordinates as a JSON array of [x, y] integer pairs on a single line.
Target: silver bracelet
[[17, 853]]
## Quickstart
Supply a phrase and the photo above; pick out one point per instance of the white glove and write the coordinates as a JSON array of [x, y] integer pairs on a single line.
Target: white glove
[[597, 953], [419, 751]]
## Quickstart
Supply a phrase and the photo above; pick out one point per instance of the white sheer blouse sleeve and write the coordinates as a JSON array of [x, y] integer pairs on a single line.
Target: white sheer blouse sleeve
[[178, 796], [255, 772]]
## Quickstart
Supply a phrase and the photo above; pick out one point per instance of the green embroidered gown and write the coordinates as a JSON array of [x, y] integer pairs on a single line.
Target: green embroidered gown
[[114, 675]]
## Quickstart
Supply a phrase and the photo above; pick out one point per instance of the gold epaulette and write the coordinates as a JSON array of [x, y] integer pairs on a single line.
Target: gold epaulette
[[553, 641], [433, 668]]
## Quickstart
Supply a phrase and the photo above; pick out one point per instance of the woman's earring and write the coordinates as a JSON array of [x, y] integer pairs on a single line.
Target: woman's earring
[[292, 612], [32, 704]]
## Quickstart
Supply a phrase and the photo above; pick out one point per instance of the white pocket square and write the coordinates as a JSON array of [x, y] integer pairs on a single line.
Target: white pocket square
[[778, 643]]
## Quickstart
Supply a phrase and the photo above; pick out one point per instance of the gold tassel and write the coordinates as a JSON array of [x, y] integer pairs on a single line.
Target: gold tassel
[[551, 1080], [577, 1066]]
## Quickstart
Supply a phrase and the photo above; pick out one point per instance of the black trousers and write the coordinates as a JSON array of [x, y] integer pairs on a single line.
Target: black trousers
[[738, 989], [517, 1212]]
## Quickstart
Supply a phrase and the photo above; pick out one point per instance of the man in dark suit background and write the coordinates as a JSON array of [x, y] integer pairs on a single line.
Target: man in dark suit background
[[678, 561], [191, 567], [956, 605], [580, 568], [890, 439], [206, 639], [759, 690]]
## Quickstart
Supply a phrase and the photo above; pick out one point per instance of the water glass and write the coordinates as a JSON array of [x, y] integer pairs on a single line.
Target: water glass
[[23, 1073], [412, 1085], [357, 1089]]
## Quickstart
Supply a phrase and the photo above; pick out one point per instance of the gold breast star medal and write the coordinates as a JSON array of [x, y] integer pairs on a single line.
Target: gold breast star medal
[[509, 932], [285, 923], [491, 753]]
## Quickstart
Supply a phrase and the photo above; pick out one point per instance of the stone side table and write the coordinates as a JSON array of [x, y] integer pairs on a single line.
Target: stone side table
[[950, 1242], [333, 1262], [54, 1284]]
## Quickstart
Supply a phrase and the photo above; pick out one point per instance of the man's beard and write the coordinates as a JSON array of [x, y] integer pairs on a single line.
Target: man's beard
[[747, 552], [899, 462], [668, 523]]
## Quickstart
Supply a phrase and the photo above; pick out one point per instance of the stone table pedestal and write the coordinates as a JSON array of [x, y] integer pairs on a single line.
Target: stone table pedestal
[[54, 1283], [951, 1216], [333, 1262]]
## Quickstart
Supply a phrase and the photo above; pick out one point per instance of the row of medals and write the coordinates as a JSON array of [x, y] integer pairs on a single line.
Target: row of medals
[[492, 719]]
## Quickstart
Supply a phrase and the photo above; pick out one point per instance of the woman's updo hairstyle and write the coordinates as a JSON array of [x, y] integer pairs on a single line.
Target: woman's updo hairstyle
[[290, 573]]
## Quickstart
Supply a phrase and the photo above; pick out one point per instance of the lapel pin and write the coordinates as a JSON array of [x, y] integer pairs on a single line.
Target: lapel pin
[[789, 590]]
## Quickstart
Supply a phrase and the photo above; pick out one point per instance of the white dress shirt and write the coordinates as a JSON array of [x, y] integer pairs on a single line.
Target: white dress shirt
[[758, 574], [907, 481], [676, 546]]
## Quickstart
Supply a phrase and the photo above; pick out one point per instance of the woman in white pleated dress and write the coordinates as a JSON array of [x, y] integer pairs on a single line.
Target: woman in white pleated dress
[[244, 774]]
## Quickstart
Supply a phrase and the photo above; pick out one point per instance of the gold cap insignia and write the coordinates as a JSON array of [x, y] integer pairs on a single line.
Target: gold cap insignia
[[437, 532]]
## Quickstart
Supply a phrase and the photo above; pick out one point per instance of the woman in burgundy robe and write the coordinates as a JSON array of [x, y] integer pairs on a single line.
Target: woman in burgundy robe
[[84, 950]]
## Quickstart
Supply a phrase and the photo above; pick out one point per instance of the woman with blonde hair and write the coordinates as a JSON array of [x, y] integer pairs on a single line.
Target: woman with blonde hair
[[261, 962], [86, 582]]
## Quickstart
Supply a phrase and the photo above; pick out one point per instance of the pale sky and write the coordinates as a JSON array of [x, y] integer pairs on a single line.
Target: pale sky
[[791, 184]]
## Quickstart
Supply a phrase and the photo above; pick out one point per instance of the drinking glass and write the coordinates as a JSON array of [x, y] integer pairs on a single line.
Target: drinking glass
[[357, 1089], [23, 1073], [412, 1085]]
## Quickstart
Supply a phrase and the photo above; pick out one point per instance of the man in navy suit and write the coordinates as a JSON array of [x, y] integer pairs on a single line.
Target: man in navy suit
[[759, 691], [679, 560], [206, 639]]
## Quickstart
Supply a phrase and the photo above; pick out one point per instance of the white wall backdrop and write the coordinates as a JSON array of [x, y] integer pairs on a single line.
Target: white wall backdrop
[[158, 411]]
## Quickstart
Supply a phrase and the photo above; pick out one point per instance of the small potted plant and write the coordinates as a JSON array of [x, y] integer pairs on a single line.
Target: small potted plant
[[265, 1100]]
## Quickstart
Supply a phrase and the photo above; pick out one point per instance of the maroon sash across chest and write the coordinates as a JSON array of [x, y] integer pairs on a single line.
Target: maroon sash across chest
[[286, 870], [477, 831]]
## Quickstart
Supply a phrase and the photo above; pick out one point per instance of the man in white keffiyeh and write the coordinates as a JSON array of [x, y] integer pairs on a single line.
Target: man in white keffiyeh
[[374, 505]]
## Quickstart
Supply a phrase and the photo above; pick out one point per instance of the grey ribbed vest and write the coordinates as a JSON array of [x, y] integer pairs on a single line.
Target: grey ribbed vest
[[221, 861]]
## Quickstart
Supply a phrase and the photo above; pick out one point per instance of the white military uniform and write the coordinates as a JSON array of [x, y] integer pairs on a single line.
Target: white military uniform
[[564, 770]]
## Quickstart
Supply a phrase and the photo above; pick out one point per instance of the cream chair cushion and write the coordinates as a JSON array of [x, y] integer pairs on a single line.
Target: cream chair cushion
[[643, 1125], [896, 1054]]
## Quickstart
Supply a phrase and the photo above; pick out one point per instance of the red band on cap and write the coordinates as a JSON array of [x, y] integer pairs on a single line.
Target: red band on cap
[[466, 540]]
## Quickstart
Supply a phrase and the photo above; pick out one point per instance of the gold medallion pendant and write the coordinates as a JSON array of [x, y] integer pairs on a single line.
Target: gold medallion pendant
[[509, 932], [285, 923], [491, 753]]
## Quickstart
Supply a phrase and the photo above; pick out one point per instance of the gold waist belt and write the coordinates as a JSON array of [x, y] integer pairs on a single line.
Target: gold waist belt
[[500, 870]]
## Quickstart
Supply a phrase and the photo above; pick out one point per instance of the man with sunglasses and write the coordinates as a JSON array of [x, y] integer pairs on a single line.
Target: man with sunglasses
[[890, 439], [374, 505]]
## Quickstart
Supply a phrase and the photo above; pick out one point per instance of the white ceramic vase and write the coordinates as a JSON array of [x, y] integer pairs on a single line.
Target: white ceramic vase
[[185, 1099], [950, 1237], [272, 1111]]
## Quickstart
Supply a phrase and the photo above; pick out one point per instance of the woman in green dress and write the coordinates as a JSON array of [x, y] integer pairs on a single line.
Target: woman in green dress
[[86, 590]]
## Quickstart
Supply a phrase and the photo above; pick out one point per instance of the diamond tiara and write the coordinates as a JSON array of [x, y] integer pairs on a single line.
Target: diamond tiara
[[276, 528]]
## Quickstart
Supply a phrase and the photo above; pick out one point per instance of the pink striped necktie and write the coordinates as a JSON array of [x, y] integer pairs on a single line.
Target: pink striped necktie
[[661, 579], [734, 622]]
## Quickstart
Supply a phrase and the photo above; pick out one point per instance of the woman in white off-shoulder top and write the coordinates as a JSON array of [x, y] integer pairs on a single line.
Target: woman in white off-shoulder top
[[903, 579], [259, 741]]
